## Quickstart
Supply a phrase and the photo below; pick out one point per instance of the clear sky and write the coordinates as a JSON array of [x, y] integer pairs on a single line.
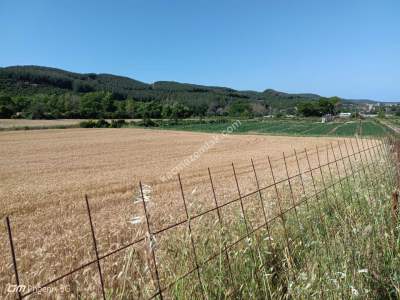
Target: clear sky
[[349, 48]]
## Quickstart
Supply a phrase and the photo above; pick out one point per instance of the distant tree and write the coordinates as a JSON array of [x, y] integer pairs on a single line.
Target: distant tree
[[213, 108], [308, 109], [130, 108], [71, 105], [7, 107], [258, 109], [107, 103], [148, 110], [166, 111], [381, 113], [199, 109], [319, 108], [21, 103], [37, 109], [179, 111], [337, 103], [240, 109], [325, 106], [82, 86], [91, 105]]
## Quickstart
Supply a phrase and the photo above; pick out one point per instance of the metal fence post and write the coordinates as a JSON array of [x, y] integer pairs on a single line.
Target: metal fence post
[[395, 208], [191, 238], [397, 159], [152, 246], [13, 257], [246, 224], [281, 213], [95, 247], [221, 225]]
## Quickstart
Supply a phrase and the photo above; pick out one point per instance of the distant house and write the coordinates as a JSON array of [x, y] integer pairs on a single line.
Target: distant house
[[344, 115], [327, 118], [368, 115]]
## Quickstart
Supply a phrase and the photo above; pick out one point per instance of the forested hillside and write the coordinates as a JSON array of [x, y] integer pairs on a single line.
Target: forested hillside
[[42, 92]]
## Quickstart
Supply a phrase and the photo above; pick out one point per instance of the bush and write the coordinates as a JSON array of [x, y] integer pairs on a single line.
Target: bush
[[94, 124], [118, 123], [147, 123], [102, 124], [87, 124]]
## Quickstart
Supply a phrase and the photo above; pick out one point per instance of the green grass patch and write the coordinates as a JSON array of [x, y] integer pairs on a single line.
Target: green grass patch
[[341, 246]]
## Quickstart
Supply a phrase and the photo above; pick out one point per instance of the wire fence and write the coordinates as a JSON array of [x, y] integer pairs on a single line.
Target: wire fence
[[202, 238]]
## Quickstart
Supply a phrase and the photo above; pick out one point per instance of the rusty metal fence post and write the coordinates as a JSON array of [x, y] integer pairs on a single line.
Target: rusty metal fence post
[[395, 194], [13, 257], [189, 226], [397, 160], [151, 244], [95, 247], [395, 208]]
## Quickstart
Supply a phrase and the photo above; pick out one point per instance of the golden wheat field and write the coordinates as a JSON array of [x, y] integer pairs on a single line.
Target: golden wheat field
[[16, 123], [45, 174]]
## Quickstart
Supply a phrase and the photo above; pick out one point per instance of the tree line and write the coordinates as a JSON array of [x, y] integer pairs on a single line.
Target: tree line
[[40, 92], [96, 105], [320, 107]]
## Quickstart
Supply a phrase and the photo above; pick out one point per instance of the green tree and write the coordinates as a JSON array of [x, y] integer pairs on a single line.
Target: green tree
[[166, 111], [107, 103], [381, 113], [307, 109], [130, 108], [179, 111], [37, 109], [7, 107], [91, 105], [319, 108], [240, 109]]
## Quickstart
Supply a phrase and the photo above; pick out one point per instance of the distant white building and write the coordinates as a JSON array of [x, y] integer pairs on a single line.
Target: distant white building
[[327, 118], [368, 115], [344, 115], [370, 107]]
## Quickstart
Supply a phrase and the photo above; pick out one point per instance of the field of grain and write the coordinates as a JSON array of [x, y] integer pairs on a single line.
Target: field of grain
[[22, 123], [45, 174]]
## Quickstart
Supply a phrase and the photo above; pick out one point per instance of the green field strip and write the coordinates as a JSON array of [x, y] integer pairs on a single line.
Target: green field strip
[[347, 129], [322, 130], [288, 127], [373, 128]]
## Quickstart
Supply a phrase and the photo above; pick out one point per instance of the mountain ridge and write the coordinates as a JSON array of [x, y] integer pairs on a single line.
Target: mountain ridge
[[33, 79]]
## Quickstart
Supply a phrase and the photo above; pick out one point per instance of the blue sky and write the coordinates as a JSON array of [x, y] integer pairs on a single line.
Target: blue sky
[[347, 48]]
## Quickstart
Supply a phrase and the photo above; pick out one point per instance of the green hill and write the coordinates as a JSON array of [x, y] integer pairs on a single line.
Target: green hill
[[43, 92], [31, 80]]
